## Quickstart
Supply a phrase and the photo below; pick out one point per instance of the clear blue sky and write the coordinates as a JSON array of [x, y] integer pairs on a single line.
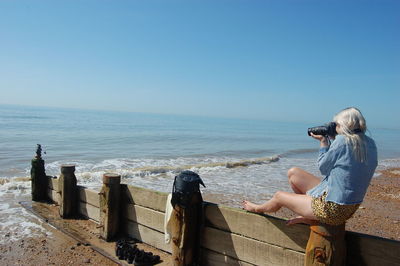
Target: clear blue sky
[[275, 60]]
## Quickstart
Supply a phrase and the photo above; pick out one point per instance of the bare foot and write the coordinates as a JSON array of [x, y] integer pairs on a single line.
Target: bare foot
[[302, 220], [249, 206]]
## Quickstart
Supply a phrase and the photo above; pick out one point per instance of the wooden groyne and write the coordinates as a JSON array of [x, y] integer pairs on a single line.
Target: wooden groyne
[[230, 236]]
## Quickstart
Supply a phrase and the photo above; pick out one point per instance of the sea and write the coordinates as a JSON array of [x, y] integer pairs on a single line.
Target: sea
[[236, 158]]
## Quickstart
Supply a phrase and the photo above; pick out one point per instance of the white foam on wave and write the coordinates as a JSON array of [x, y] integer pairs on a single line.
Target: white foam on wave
[[250, 179], [16, 223], [253, 179], [389, 163], [4, 206], [15, 186]]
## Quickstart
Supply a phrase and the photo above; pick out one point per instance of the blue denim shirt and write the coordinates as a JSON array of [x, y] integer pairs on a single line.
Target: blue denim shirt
[[346, 179]]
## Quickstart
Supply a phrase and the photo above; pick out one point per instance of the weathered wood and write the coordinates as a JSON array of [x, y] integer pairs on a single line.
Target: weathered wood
[[261, 227], [211, 258], [53, 182], [249, 250], [90, 196], [185, 225], [144, 216], [146, 235], [89, 211], [38, 180], [109, 206], [145, 197], [371, 250], [177, 240], [68, 191], [53, 195], [326, 245]]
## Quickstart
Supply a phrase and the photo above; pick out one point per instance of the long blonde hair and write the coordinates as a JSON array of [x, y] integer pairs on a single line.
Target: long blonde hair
[[353, 126]]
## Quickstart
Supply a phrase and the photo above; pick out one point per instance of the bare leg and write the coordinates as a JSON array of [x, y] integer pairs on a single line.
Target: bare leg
[[300, 204], [301, 181]]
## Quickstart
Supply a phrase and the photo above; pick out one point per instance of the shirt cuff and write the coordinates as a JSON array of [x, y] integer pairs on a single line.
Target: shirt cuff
[[323, 149]]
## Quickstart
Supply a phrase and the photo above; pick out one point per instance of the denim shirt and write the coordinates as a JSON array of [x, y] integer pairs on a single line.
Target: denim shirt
[[346, 179]]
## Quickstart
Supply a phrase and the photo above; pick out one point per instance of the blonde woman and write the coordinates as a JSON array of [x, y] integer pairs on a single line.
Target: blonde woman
[[347, 165]]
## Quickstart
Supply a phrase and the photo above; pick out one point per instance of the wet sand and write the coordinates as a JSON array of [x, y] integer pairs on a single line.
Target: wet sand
[[378, 215], [59, 250], [74, 242]]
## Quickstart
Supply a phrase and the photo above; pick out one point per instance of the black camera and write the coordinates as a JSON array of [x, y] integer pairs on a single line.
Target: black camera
[[328, 129]]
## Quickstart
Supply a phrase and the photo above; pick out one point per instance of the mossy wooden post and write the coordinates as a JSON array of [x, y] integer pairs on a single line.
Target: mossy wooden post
[[185, 230], [68, 191], [326, 245], [109, 206], [38, 180]]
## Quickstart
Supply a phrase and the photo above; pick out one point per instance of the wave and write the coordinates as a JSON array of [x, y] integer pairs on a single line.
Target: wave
[[4, 181], [154, 170]]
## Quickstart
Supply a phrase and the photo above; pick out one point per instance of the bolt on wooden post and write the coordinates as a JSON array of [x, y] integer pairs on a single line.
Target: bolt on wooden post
[[109, 206], [68, 191]]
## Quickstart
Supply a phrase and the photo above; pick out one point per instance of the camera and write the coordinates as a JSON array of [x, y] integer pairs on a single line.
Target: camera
[[328, 129]]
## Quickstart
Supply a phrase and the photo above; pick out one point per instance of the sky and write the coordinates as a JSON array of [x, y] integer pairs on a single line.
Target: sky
[[258, 59]]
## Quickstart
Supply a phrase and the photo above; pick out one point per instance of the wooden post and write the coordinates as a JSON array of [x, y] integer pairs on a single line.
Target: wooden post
[[38, 180], [326, 245], [185, 230], [109, 206], [68, 191]]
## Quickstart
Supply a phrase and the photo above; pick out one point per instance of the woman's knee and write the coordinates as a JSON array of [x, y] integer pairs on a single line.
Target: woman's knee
[[293, 172], [278, 195]]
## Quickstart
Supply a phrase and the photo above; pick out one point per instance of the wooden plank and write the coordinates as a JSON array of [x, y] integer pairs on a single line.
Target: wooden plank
[[53, 195], [144, 197], [370, 250], [144, 216], [146, 235], [53, 183], [364, 249], [261, 227], [249, 250], [89, 196], [211, 258], [89, 211]]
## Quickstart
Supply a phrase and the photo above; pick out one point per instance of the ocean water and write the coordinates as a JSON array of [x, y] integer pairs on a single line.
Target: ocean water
[[235, 158]]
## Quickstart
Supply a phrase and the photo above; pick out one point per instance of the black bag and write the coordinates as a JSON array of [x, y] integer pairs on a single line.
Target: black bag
[[186, 184]]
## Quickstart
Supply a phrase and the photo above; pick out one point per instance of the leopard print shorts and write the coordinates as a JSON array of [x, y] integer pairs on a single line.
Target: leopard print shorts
[[332, 213]]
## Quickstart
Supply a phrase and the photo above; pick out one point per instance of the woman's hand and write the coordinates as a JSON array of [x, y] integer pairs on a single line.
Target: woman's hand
[[322, 139]]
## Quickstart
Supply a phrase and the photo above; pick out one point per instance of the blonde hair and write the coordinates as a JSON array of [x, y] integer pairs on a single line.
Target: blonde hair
[[353, 126]]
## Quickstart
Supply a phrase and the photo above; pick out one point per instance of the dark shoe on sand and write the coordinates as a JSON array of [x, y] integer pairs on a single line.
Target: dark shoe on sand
[[143, 258], [122, 248], [133, 251]]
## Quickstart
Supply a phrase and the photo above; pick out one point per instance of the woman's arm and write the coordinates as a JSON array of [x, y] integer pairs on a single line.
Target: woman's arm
[[328, 155]]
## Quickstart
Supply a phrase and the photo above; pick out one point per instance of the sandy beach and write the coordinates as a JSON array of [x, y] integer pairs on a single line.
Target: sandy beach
[[379, 215]]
